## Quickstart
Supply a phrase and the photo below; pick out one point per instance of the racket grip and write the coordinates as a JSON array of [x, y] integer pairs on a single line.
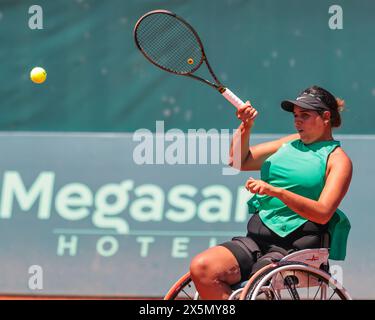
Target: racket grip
[[232, 98]]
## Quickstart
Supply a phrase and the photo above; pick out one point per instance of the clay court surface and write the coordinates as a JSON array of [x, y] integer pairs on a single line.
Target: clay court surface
[[41, 297]]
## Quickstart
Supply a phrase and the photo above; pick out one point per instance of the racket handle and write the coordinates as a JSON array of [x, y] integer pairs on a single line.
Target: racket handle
[[232, 98]]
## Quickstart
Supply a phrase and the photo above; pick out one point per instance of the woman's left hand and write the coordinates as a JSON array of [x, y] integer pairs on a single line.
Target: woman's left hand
[[259, 187]]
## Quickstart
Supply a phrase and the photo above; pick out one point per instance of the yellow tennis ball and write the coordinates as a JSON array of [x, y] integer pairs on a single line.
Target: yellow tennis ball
[[38, 75]]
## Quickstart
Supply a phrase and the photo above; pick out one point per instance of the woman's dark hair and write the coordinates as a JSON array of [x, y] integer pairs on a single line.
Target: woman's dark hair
[[335, 105]]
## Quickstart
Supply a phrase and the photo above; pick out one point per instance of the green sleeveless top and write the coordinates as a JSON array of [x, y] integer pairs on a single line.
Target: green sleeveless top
[[301, 169]]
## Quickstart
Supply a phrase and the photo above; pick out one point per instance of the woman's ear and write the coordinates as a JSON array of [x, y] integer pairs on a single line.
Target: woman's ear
[[326, 117]]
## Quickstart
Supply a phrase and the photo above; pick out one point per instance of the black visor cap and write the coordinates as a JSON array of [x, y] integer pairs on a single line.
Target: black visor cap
[[305, 101]]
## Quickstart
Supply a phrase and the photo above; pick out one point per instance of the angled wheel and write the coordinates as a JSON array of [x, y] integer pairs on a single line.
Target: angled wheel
[[293, 281], [183, 289]]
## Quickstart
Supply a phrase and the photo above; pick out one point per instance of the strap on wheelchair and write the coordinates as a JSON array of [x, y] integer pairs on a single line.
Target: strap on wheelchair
[[326, 239], [274, 253], [280, 250], [249, 244]]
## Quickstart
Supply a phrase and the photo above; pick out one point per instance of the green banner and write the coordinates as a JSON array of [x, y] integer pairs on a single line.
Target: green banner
[[99, 220]]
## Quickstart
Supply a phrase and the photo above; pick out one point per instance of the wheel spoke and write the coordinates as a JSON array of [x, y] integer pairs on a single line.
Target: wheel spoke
[[275, 292], [308, 286], [187, 295], [334, 292], [316, 293]]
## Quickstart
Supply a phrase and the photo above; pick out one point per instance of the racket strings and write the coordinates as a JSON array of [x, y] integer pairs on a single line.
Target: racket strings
[[168, 48], [164, 43], [169, 43]]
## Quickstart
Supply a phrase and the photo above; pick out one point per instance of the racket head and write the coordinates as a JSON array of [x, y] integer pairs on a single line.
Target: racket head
[[169, 42]]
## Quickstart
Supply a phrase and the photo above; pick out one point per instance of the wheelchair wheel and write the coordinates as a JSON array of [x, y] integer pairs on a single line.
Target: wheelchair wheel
[[293, 281], [183, 289], [238, 289]]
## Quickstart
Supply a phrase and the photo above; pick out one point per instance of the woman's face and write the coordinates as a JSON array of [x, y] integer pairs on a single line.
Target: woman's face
[[310, 125]]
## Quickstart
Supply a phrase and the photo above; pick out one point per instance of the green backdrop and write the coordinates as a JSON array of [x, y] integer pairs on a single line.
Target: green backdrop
[[264, 50]]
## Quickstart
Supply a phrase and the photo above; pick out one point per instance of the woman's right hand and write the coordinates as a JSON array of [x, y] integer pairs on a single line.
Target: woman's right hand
[[247, 114]]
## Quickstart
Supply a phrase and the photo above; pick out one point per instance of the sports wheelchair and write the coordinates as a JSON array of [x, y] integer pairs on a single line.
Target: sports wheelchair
[[300, 275]]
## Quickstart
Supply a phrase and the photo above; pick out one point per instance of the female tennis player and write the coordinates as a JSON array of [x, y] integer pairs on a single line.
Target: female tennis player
[[304, 177]]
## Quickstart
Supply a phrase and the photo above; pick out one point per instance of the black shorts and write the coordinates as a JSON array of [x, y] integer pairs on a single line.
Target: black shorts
[[261, 241]]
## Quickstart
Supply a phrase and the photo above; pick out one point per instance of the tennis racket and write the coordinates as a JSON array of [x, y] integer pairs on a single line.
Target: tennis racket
[[170, 43]]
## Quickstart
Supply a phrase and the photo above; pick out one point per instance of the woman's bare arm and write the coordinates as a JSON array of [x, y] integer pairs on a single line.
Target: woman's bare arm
[[244, 157]]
